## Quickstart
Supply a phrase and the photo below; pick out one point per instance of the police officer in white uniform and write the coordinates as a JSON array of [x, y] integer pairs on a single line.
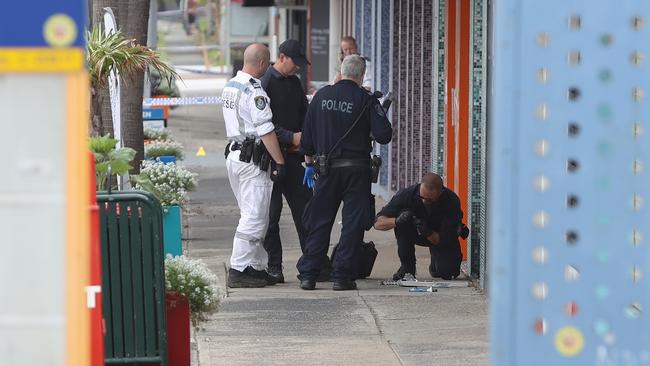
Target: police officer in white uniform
[[249, 128]]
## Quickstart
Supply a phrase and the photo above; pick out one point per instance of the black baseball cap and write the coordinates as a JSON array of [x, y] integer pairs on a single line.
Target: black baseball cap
[[292, 48]]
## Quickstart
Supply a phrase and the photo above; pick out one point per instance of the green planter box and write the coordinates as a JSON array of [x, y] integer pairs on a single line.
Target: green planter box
[[172, 230]]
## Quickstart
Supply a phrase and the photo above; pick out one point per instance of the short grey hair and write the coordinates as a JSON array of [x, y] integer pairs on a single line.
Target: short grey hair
[[353, 67]]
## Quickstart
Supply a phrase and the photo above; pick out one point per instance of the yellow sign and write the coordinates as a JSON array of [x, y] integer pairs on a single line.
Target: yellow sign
[[201, 151], [60, 30], [41, 59], [569, 341]]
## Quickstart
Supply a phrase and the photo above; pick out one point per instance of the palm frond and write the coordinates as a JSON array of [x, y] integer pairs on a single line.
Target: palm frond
[[108, 52]]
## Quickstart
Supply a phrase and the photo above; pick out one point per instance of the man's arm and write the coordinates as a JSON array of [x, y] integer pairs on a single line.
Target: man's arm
[[273, 147], [379, 123], [387, 216], [385, 223], [306, 141], [261, 114], [285, 137]]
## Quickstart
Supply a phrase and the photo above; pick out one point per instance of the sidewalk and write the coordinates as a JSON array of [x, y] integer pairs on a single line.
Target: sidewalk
[[282, 324]]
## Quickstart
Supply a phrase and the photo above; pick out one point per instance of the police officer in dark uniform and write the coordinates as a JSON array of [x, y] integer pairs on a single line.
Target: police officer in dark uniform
[[426, 214], [289, 106], [336, 139]]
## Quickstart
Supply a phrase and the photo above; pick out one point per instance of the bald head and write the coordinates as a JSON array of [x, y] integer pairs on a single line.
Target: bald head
[[430, 188], [256, 59], [432, 181]]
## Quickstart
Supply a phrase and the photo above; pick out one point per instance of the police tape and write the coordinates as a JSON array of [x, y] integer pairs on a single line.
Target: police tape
[[157, 102]]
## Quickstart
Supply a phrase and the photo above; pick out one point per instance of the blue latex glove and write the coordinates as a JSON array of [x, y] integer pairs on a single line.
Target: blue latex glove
[[308, 178]]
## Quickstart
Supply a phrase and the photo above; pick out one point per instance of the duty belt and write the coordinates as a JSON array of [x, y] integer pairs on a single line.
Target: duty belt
[[343, 163]]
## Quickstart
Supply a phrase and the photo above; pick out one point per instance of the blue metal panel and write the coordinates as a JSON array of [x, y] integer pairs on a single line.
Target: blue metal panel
[[152, 113], [567, 186], [22, 22]]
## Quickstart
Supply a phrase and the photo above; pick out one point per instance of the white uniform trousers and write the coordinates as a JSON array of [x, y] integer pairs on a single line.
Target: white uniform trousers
[[252, 188]]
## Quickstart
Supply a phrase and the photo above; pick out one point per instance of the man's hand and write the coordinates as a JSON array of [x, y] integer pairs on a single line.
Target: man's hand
[[308, 178], [403, 218], [422, 228], [279, 173]]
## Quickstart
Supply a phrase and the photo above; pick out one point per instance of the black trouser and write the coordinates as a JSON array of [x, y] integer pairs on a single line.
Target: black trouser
[[297, 196], [445, 257], [351, 185]]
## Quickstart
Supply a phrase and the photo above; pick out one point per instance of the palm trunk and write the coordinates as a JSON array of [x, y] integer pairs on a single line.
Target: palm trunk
[[132, 19]]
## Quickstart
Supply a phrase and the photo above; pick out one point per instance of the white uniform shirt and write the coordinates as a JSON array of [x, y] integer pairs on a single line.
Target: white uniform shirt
[[246, 108]]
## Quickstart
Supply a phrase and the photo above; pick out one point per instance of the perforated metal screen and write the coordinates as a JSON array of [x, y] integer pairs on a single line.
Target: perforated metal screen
[[568, 188]]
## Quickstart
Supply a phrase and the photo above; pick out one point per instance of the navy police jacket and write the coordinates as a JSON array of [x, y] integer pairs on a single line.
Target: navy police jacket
[[331, 113]]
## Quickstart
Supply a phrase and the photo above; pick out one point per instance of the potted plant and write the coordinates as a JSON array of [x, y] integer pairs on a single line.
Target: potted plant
[[191, 296], [109, 160], [170, 184], [150, 135], [164, 151]]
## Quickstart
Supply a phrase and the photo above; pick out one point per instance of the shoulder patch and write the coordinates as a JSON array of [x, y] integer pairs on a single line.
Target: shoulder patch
[[255, 84], [260, 102]]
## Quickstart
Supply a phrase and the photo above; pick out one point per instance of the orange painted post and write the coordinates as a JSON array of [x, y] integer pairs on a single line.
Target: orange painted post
[[458, 57], [93, 292], [464, 108], [450, 135]]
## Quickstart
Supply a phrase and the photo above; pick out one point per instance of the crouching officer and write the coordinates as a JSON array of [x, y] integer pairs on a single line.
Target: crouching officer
[[248, 121], [426, 214], [336, 142]]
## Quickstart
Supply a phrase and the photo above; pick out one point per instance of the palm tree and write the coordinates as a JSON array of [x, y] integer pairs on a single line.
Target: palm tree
[[108, 52]]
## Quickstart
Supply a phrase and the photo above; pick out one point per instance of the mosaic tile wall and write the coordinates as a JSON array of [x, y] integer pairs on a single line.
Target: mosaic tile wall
[[372, 27], [412, 85], [477, 170]]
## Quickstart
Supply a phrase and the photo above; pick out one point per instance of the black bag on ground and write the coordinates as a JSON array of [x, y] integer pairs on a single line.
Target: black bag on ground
[[366, 256]]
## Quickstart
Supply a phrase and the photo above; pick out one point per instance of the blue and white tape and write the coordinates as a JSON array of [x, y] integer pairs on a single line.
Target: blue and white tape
[[156, 102]]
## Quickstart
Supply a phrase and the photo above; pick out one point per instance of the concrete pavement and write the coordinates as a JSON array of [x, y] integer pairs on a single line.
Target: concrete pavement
[[284, 325]]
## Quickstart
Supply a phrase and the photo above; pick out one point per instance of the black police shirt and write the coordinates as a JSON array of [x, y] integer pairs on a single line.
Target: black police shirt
[[443, 216], [332, 112], [288, 103]]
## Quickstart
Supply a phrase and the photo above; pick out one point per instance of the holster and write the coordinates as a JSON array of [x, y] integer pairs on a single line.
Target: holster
[[321, 165], [265, 157], [257, 153], [246, 151], [226, 152], [375, 165]]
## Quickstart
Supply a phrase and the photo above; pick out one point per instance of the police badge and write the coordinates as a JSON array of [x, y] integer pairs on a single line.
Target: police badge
[[260, 102]]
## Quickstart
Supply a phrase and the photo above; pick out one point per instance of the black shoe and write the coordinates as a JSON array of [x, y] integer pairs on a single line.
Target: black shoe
[[276, 273], [343, 285], [307, 284], [237, 279], [270, 280], [401, 272]]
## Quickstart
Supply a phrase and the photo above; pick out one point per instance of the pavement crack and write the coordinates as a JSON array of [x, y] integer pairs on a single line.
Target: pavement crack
[[382, 335]]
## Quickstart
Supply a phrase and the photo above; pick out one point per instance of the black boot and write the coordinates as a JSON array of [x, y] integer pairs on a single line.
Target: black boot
[[276, 272], [343, 285], [237, 279], [264, 275], [307, 284], [402, 271]]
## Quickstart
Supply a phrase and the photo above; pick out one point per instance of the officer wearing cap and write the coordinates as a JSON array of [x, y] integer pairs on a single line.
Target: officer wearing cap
[[336, 141], [289, 105], [248, 121]]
